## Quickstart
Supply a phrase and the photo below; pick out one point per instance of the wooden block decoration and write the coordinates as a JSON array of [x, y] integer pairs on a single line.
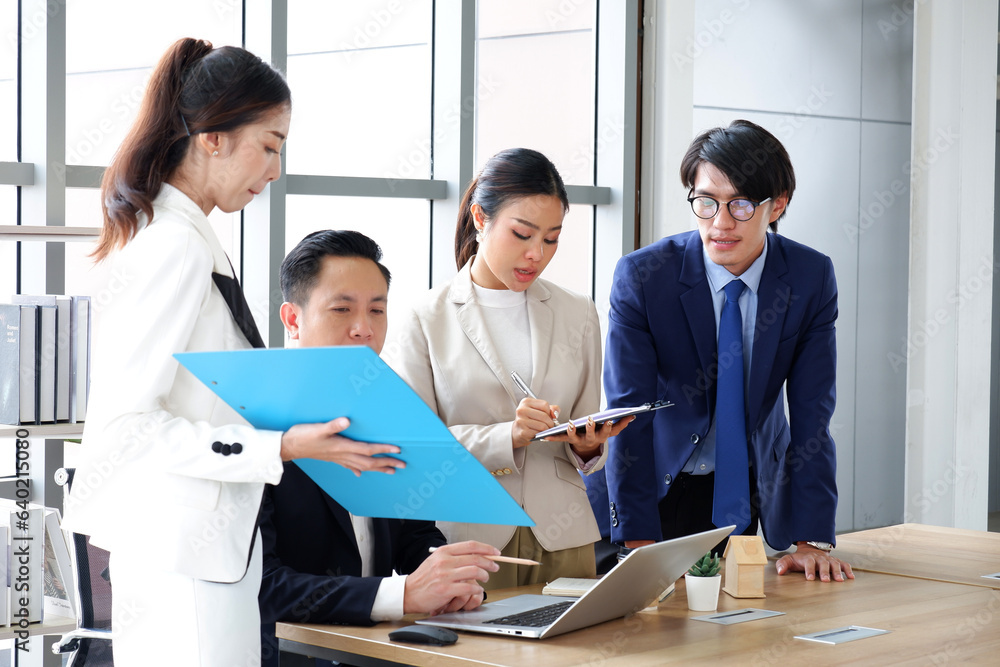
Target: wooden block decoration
[[745, 562]]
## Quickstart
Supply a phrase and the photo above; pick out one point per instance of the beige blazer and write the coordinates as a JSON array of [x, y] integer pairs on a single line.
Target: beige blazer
[[149, 483], [445, 352]]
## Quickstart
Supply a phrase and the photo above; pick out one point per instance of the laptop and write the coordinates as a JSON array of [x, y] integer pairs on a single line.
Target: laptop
[[631, 586]]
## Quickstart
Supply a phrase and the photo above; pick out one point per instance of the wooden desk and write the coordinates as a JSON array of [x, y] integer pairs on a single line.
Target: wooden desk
[[929, 620], [926, 552]]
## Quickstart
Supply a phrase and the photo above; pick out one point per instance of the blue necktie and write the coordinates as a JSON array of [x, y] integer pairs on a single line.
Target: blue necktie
[[732, 467]]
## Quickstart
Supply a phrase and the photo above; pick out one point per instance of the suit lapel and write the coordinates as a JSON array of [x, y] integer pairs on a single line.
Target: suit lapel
[[773, 300], [541, 322], [171, 198], [343, 519], [238, 306]]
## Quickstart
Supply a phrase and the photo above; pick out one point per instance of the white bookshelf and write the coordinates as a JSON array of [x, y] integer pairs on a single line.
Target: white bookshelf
[[45, 460], [48, 233], [52, 625], [52, 431]]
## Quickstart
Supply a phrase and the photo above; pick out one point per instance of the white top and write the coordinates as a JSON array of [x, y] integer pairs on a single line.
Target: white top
[[506, 313]]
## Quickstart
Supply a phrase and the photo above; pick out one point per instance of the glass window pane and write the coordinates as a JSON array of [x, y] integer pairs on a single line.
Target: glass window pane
[[8, 193], [83, 276], [8, 249], [400, 226], [502, 18], [536, 70], [8, 84], [83, 209], [573, 264], [360, 74], [105, 85]]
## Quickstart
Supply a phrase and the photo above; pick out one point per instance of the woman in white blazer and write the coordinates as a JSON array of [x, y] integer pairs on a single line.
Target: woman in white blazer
[[458, 347], [171, 478]]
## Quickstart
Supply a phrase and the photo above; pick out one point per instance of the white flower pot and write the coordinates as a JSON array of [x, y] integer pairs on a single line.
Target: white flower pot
[[703, 592]]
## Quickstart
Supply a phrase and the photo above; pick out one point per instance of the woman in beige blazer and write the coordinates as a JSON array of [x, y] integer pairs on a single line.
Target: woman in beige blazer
[[459, 346]]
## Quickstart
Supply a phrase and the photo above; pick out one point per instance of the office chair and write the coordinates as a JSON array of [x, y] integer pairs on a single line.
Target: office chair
[[90, 643]]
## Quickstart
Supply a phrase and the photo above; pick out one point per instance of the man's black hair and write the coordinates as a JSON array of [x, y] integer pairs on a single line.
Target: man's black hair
[[752, 158], [301, 267]]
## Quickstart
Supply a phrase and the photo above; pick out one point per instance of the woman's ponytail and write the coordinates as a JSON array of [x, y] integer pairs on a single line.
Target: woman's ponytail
[[194, 88], [465, 231]]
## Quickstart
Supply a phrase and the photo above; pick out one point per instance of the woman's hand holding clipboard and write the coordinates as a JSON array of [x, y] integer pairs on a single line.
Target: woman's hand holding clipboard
[[600, 418]]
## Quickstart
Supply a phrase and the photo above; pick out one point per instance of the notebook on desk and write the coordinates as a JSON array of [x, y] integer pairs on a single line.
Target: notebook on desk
[[630, 586]]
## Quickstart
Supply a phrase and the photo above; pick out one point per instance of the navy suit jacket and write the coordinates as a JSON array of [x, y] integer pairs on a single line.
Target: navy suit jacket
[[312, 566], [662, 343]]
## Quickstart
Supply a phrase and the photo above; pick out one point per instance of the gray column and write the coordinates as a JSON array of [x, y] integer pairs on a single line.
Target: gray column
[[951, 262], [263, 243], [453, 133], [43, 140]]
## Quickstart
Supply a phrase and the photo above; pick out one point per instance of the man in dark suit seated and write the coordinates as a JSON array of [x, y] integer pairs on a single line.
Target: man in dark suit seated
[[322, 564]]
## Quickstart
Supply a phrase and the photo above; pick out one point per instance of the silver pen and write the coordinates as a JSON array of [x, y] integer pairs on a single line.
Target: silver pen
[[525, 389], [522, 385]]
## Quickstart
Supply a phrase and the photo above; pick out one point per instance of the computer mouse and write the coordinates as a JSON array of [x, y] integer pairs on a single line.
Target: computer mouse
[[424, 634]]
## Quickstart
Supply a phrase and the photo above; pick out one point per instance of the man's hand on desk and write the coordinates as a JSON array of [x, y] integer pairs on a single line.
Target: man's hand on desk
[[811, 560], [448, 579]]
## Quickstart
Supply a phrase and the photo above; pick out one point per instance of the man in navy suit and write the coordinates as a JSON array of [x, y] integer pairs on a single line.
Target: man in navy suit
[[322, 564], [667, 315]]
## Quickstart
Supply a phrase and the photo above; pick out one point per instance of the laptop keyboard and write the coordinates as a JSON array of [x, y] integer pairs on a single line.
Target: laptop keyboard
[[534, 618]]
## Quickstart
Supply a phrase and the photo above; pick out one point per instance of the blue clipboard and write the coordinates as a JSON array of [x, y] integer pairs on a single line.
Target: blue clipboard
[[276, 389]]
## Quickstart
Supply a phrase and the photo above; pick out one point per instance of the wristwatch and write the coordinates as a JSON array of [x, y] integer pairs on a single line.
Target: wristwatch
[[822, 546]]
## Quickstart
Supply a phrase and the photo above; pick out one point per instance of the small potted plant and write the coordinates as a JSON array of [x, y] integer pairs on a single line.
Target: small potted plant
[[702, 582]]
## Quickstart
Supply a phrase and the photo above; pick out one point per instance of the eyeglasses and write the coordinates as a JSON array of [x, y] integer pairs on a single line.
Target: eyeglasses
[[741, 209]]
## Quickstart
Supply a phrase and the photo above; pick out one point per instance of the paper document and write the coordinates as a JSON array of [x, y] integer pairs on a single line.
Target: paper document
[[277, 389], [599, 418], [569, 586]]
